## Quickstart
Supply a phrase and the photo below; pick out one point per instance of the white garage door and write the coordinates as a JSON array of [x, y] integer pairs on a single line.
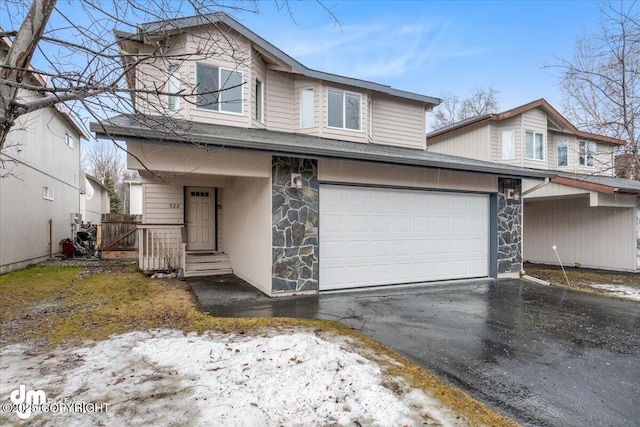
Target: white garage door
[[381, 236]]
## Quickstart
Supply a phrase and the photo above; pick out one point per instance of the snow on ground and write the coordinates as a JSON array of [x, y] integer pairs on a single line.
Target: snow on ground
[[167, 378], [620, 290]]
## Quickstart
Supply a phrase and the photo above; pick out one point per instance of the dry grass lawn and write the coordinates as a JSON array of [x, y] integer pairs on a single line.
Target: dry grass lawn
[[53, 306]]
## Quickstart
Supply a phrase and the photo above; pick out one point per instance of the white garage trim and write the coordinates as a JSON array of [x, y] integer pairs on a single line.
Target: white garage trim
[[380, 236]]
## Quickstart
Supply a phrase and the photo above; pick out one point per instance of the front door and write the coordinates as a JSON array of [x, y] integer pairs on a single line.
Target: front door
[[200, 218]]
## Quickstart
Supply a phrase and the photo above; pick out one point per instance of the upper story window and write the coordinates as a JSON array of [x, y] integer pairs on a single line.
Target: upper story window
[[344, 109], [306, 107], [173, 86], [587, 153], [508, 145], [68, 139], [259, 101], [563, 153], [47, 193], [218, 89], [534, 145]]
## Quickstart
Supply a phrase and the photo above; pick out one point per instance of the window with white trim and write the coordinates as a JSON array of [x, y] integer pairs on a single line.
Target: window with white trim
[[563, 153], [173, 86], [534, 145], [306, 107], [508, 145], [587, 153], [259, 101], [344, 109], [218, 89], [47, 193], [68, 140]]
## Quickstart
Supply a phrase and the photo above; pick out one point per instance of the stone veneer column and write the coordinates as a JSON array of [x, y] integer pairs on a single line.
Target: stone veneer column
[[294, 225], [509, 227]]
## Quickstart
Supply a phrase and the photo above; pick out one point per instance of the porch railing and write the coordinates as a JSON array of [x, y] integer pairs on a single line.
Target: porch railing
[[161, 247]]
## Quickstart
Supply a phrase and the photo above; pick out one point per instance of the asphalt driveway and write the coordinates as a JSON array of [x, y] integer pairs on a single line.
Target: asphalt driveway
[[544, 356]]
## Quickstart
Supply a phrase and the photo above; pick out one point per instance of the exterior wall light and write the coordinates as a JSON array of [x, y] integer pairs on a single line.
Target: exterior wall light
[[296, 180]]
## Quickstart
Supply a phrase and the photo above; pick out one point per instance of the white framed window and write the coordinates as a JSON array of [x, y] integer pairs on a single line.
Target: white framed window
[[218, 89], [563, 153], [508, 145], [173, 86], [259, 101], [587, 153], [306, 107], [534, 145], [344, 109], [47, 193], [68, 140]]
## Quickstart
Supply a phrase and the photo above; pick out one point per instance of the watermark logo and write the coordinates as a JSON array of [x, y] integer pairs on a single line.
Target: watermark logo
[[26, 400]]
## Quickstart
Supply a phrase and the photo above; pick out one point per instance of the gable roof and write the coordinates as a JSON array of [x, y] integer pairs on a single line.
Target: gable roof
[[160, 129], [166, 27], [558, 119]]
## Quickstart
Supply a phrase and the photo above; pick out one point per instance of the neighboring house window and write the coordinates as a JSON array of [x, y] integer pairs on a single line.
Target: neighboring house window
[[563, 153], [508, 145], [306, 108], [219, 89], [68, 139], [370, 108], [47, 193], [587, 152], [344, 109], [534, 145], [173, 86], [259, 101]]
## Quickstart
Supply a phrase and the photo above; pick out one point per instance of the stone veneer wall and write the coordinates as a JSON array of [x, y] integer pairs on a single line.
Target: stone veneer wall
[[294, 225], [509, 227]]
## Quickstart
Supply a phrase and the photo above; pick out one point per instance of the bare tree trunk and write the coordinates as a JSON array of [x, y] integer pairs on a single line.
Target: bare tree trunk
[[15, 68]]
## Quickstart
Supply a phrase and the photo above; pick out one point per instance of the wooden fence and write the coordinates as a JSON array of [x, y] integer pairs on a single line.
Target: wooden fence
[[119, 232]]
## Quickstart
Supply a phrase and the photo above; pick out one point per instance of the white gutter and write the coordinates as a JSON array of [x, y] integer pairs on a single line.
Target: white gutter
[[537, 187]]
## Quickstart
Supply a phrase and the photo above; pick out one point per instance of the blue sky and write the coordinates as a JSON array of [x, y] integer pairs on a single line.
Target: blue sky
[[433, 47]]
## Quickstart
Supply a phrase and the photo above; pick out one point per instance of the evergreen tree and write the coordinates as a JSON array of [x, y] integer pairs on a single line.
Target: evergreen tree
[[116, 202]]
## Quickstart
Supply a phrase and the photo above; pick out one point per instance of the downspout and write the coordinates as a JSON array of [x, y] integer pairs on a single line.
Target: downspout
[[537, 187]]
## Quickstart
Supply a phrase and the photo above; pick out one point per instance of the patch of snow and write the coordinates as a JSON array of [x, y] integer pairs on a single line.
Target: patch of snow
[[169, 378], [620, 290]]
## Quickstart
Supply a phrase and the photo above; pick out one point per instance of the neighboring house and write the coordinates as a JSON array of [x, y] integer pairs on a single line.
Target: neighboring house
[[307, 181], [590, 215], [40, 194], [627, 166], [95, 201]]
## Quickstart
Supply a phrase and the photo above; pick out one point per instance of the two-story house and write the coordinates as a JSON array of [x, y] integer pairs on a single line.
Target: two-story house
[[295, 179], [592, 217], [39, 181]]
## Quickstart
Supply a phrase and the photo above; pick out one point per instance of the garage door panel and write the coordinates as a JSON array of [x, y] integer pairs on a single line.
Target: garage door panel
[[386, 236]]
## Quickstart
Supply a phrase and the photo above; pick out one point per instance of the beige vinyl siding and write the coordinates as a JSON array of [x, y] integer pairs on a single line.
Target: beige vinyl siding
[[163, 204], [354, 172], [395, 122], [470, 141], [279, 89], [536, 121], [602, 162], [595, 237]]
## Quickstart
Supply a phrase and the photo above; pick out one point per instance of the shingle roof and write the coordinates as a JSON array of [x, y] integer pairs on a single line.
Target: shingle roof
[[172, 25], [159, 129], [619, 185]]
